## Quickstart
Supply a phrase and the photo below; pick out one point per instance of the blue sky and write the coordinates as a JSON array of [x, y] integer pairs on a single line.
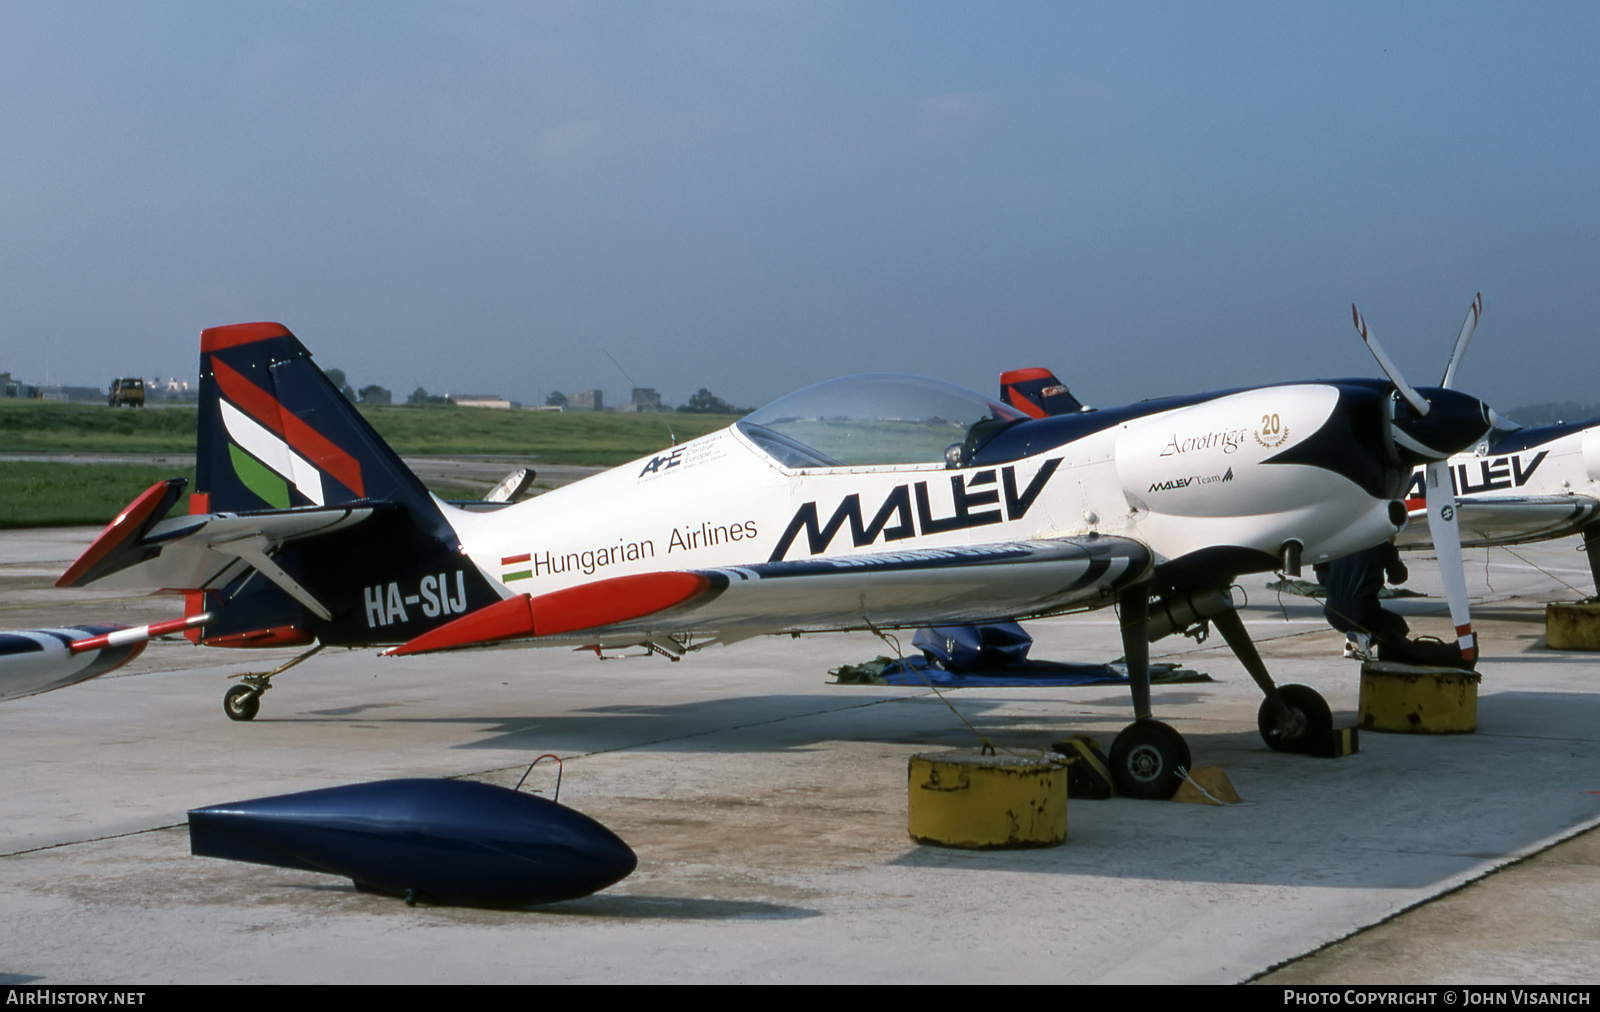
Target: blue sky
[[1150, 199]]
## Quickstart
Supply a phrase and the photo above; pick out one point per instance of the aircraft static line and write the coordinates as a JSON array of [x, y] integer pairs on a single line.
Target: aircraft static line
[[868, 502]]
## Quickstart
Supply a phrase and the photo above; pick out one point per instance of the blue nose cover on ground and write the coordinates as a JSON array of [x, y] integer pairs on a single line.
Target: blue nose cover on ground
[[442, 841]]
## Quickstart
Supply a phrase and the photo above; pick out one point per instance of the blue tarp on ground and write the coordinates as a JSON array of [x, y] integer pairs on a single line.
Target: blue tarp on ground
[[994, 655], [919, 671]]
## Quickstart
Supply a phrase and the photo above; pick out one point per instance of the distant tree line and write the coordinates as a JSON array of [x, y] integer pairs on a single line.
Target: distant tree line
[[703, 402], [1550, 414], [369, 394]]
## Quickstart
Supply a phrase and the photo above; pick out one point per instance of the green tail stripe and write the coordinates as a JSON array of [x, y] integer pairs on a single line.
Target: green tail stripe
[[258, 478]]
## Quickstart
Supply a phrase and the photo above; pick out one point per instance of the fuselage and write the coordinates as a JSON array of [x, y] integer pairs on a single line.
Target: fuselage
[[1223, 481]]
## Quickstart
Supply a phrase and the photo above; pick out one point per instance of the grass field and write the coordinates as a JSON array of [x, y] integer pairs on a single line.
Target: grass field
[[549, 436], [36, 494], [54, 495]]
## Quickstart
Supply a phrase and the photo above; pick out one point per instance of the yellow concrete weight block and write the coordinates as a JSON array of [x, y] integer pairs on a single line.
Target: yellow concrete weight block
[[967, 799], [1572, 626], [1402, 697]]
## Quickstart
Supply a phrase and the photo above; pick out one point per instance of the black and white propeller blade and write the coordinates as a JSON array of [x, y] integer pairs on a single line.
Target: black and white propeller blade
[[1443, 525], [1390, 370], [1467, 327], [1446, 533]]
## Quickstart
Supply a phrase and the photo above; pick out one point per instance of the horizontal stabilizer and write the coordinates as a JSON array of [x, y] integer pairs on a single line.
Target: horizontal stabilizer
[[205, 551], [121, 544]]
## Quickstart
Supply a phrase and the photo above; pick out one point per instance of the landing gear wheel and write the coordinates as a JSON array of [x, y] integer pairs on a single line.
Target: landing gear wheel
[[1310, 724], [241, 703], [1145, 759]]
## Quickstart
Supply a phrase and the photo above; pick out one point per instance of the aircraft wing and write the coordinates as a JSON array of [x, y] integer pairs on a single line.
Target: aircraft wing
[[929, 586], [1487, 521]]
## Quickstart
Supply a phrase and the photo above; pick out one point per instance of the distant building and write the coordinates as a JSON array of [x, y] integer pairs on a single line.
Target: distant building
[[480, 401], [587, 400], [61, 393], [644, 399]]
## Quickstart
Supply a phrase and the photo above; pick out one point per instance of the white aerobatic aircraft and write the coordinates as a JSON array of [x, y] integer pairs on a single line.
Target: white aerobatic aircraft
[[1521, 485], [868, 502], [1517, 485]]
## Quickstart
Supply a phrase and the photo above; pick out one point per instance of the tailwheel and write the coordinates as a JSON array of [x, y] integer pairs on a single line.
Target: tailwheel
[[1145, 759], [1308, 724], [241, 702]]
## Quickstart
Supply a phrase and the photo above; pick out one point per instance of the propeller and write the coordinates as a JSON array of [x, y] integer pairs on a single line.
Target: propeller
[[1453, 416]]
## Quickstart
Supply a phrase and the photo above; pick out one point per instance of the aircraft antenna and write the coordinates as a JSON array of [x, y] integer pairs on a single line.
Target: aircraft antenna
[[631, 383]]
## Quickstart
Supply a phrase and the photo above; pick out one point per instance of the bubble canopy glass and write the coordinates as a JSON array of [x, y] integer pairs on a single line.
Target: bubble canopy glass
[[872, 419]]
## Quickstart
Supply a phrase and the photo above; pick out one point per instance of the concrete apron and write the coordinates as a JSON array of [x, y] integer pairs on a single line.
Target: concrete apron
[[768, 808]]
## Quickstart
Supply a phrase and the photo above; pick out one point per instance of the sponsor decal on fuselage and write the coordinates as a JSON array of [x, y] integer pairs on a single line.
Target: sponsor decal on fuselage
[[1488, 475], [386, 604], [1272, 433], [977, 502], [1193, 479], [1226, 440], [588, 561], [662, 462], [682, 458], [687, 539]]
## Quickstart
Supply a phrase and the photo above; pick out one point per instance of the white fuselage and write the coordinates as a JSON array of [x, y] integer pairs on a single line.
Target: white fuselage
[[1180, 481]]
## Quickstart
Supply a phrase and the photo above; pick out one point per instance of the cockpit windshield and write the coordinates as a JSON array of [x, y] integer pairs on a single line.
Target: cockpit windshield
[[877, 418]]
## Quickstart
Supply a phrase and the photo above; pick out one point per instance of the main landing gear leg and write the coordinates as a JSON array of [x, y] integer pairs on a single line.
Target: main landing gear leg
[[243, 702], [1147, 755], [1591, 548], [1293, 718]]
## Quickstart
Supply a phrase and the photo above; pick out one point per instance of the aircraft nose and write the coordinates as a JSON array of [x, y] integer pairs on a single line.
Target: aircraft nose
[[1454, 422]]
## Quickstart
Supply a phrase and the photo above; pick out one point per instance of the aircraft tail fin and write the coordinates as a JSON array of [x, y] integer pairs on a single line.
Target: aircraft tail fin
[[304, 522], [275, 433], [1037, 392]]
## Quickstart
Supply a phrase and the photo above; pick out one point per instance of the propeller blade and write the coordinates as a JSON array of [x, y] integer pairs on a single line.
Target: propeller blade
[[1446, 531], [1467, 327], [1405, 389]]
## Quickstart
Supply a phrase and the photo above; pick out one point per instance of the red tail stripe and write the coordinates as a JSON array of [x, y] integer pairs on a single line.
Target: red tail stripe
[[233, 335], [313, 445], [1024, 405], [1023, 375]]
